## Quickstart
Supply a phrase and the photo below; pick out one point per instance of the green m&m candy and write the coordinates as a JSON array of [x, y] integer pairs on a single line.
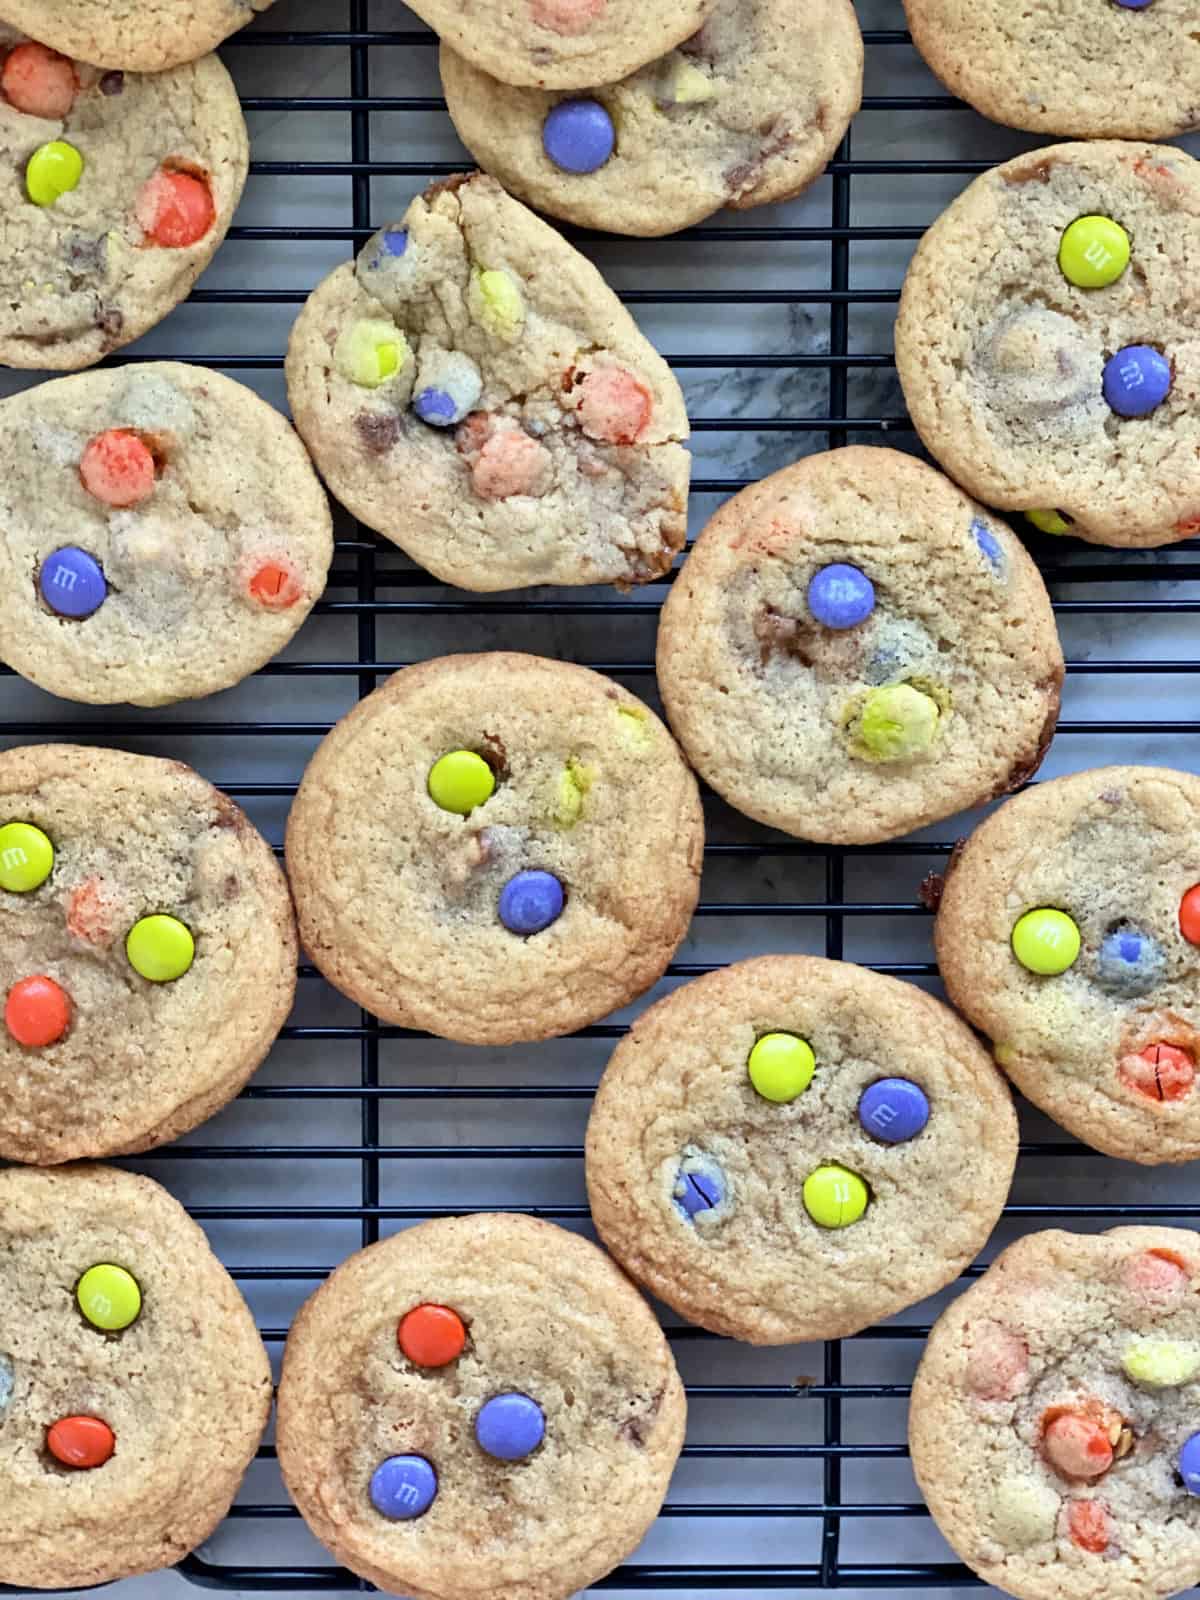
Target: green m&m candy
[[1049, 521], [897, 722], [1046, 941], [1093, 252], [834, 1197], [370, 351], [52, 170], [26, 857], [460, 781], [160, 948], [781, 1066]]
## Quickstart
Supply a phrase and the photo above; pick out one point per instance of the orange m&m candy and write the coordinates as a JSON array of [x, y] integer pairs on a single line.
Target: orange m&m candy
[[1090, 1525], [39, 81], [1189, 915], [81, 1441], [37, 1012], [118, 468], [275, 585], [175, 209], [431, 1336]]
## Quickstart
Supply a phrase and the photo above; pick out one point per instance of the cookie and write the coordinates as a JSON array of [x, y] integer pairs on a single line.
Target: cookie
[[165, 534], [562, 44], [147, 951], [1054, 1424], [134, 1387], [1127, 70], [775, 1149], [854, 649], [474, 391], [496, 848], [479, 1406], [144, 38], [1044, 353], [117, 189], [745, 113], [1069, 933]]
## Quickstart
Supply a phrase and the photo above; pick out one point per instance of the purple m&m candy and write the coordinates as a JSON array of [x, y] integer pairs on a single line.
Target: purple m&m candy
[[578, 135], [1189, 1463], [394, 241], [841, 596], [72, 583], [435, 406], [989, 545], [1136, 380], [530, 902], [510, 1426], [402, 1487], [1134, 5], [893, 1110], [699, 1186]]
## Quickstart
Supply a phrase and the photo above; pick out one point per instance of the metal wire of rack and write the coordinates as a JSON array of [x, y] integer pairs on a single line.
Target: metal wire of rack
[[787, 1482]]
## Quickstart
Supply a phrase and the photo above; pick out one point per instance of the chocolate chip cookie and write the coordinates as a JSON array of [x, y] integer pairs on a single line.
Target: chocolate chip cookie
[[479, 1406], [495, 847], [854, 649], [116, 189], [134, 1387], [775, 1149], [473, 389], [1069, 932], [745, 113], [1122, 70], [165, 534], [147, 951], [562, 44], [1047, 360], [141, 38], [1054, 1424]]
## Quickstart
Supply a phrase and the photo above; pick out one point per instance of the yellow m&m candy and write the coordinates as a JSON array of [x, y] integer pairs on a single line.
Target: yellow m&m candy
[[1049, 521], [1161, 1363], [160, 948], [781, 1066], [26, 857], [1046, 942], [1093, 252], [109, 1297], [53, 170], [834, 1197], [460, 781]]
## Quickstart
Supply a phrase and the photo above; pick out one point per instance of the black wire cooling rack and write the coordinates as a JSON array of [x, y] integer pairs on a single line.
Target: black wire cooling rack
[[795, 1474]]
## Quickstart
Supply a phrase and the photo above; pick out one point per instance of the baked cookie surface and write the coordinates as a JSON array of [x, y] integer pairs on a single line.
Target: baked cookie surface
[[745, 113], [1126, 70], [173, 528], [1069, 933], [1045, 355], [548, 883], [147, 951], [854, 648], [486, 1373], [562, 44], [473, 389], [134, 1387], [775, 1149], [115, 188], [144, 38], [1053, 1421]]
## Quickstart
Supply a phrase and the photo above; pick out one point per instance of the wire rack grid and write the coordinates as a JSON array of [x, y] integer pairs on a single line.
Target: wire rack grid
[[795, 1473]]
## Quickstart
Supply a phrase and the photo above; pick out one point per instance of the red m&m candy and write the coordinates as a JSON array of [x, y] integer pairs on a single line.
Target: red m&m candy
[[175, 209], [1189, 915], [431, 1336], [81, 1442], [39, 81], [118, 468], [37, 1012]]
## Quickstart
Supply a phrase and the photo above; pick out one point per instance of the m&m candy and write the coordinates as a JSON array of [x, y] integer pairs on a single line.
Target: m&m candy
[[1189, 915], [840, 596], [615, 406], [1046, 941], [578, 135], [1050, 521], [1090, 1523], [81, 1442], [175, 209], [109, 1297], [530, 902], [39, 82], [781, 1066], [7, 1378], [1189, 1463], [431, 1336], [403, 1487], [1077, 1445], [1160, 1071], [460, 780], [1161, 1363], [37, 1012], [1093, 252], [448, 385], [1136, 380], [834, 1197], [989, 546], [52, 170], [160, 948], [370, 351], [275, 585], [118, 468], [510, 1426], [496, 303], [1130, 962], [72, 583], [699, 1186], [894, 1110], [26, 857], [897, 722]]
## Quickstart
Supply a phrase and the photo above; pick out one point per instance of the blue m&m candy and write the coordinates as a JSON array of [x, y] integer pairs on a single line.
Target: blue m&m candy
[[1189, 1463], [72, 583], [1130, 962], [403, 1487], [6, 1384], [448, 385], [989, 545], [531, 901], [510, 1427], [840, 596], [394, 241], [578, 135], [1134, 5], [893, 1110], [1136, 380], [699, 1186]]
